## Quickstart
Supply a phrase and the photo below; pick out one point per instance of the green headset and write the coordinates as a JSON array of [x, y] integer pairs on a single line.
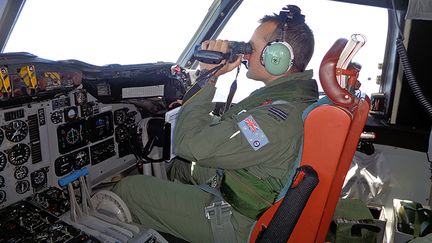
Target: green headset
[[277, 57]]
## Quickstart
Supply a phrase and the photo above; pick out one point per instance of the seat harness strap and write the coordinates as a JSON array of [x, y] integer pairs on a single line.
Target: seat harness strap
[[219, 213]]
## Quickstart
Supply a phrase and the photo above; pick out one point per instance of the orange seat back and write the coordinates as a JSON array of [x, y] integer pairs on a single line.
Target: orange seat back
[[331, 135], [356, 128], [315, 220]]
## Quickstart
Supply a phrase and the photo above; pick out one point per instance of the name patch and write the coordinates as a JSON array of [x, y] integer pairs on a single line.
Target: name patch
[[253, 133]]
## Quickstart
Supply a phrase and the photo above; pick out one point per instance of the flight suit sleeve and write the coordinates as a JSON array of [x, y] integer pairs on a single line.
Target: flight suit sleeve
[[224, 145]]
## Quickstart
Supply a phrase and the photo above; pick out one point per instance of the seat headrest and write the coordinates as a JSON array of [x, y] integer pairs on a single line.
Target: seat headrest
[[327, 75]]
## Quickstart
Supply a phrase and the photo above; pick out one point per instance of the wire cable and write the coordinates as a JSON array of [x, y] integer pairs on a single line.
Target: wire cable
[[412, 82]]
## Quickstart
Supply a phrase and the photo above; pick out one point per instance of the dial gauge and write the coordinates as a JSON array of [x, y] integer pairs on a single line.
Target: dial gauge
[[16, 131], [81, 159], [21, 172], [72, 136], [38, 178], [71, 113], [19, 154], [62, 166], [3, 161], [22, 186], [57, 117]]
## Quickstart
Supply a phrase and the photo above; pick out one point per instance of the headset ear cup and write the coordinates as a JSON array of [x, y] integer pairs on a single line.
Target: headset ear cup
[[277, 57]]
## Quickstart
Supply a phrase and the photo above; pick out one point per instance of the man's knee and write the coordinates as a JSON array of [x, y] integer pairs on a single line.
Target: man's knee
[[126, 185]]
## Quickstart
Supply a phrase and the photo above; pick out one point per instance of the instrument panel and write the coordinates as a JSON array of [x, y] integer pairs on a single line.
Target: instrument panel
[[43, 141], [57, 117]]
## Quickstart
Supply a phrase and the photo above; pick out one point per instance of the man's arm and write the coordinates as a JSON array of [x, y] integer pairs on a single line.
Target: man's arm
[[225, 145]]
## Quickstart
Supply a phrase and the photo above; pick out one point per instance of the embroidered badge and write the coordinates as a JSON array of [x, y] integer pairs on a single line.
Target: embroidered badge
[[278, 112], [253, 133]]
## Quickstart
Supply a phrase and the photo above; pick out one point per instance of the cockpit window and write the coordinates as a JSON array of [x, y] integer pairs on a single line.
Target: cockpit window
[[329, 20], [133, 31], [107, 31]]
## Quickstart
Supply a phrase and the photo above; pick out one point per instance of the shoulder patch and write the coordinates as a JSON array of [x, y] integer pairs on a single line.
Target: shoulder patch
[[253, 133], [277, 113]]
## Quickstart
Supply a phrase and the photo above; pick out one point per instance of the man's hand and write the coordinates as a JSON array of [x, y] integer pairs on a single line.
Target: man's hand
[[220, 46]]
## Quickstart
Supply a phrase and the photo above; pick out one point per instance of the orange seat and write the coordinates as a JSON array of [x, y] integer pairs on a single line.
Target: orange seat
[[331, 135]]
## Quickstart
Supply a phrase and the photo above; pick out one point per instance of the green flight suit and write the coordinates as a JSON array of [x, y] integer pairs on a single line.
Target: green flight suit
[[274, 111]]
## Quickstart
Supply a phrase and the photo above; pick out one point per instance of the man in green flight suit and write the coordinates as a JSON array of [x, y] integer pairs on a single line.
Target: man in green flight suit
[[255, 143]]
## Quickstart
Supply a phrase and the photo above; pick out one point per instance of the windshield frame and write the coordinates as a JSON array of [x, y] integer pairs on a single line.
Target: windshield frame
[[9, 13]]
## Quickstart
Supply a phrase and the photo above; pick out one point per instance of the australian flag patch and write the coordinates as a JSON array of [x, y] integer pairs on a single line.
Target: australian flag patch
[[253, 133]]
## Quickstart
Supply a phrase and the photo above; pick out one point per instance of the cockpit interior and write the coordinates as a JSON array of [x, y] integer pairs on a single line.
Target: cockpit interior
[[71, 128]]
